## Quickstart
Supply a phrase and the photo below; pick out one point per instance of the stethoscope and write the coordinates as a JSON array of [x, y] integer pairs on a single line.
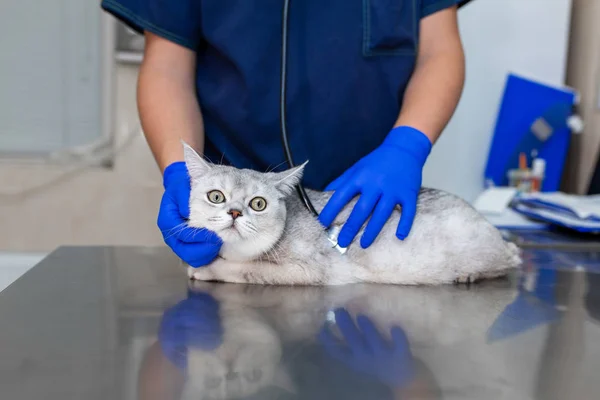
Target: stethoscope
[[333, 232]]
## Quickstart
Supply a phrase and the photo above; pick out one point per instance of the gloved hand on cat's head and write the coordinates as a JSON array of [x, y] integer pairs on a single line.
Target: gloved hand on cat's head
[[197, 247], [365, 350], [390, 175]]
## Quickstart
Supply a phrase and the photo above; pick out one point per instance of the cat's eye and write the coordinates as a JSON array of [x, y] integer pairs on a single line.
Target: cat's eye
[[253, 376], [216, 196], [258, 204]]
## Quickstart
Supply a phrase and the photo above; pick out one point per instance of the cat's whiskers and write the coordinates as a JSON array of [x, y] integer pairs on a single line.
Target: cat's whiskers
[[175, 230], [275, 167], [248, 225], [274, 254], [191, 232], [275, 250]]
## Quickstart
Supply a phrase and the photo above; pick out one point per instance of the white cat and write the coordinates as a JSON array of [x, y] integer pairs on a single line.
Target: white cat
[[270, 238]]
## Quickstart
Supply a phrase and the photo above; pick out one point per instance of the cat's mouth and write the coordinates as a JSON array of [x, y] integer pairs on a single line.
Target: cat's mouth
[[232, 228]]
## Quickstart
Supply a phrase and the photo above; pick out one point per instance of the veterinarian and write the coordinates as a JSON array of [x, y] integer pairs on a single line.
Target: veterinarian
[[370, 86]]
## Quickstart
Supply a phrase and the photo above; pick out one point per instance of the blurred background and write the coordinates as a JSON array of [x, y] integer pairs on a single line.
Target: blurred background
[[75, 168]]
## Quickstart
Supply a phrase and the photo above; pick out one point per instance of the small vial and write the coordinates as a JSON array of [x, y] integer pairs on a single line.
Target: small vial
[[538, 171]]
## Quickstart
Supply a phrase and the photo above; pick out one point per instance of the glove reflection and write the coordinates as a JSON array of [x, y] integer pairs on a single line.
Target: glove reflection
[[365, 350], [193, 322]]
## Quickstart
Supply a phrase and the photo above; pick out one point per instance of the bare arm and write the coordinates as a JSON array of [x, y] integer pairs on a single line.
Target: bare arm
[[436, 85], [167, 102], [158, 379]]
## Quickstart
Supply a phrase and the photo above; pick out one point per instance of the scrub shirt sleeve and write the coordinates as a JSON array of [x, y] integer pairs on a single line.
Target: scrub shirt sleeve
[[177, 21], [429, 7]]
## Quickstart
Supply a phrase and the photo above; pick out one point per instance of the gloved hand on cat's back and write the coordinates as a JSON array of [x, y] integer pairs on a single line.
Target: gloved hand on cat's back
[[390, 175], [197, 247]]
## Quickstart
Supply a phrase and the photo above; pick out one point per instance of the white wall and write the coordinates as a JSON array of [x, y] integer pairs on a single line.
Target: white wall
[[528, 37], [50, 65], [98, 206]]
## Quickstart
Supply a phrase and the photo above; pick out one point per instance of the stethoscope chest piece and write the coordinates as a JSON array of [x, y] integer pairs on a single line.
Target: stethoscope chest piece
[[332, 236]]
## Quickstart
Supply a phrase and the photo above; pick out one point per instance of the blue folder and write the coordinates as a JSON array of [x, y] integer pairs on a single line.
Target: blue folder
[[532, 116]]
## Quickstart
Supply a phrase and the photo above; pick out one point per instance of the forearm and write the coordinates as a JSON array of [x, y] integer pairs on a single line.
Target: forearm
[[168, 107], [437, 82], [158, 378]]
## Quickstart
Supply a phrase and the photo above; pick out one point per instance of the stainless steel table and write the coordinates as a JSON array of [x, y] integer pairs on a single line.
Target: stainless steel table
[[125, 323]]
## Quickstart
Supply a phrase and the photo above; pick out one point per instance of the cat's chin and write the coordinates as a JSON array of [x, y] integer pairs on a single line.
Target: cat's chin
[[230, 235], [239, 251]]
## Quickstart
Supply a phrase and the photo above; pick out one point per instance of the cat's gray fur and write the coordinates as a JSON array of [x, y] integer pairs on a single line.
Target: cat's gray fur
[[286, 245]]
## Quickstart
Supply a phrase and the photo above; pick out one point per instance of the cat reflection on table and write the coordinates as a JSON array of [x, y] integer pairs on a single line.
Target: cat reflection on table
[[211, 350], [267, 333], [270, 238], [247, 360]]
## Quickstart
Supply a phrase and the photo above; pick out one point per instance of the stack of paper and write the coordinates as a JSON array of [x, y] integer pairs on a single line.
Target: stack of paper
[[494, 205], [580, 213]]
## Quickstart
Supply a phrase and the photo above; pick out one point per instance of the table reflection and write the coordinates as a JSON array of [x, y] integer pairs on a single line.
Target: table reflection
[[233, 341], [227, 341]]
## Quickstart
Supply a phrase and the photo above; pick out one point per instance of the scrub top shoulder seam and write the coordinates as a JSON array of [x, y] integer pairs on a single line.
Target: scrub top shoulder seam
[[140, 24], [439, 6]]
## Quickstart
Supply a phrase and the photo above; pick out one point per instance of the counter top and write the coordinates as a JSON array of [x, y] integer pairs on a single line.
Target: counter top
[[125, 323]]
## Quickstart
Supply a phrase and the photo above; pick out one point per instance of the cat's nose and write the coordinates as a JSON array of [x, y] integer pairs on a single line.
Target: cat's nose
[[231, 375], [234, 213]]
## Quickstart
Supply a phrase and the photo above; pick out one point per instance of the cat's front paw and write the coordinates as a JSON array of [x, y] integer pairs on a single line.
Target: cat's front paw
[[477, 277], [466, 279], [200, 274]]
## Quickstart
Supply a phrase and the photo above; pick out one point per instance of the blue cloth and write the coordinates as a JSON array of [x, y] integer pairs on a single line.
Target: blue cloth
[[349, 62]]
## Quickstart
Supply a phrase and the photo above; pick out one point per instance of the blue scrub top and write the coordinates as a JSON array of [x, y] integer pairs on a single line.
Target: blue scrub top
[[349, 62]]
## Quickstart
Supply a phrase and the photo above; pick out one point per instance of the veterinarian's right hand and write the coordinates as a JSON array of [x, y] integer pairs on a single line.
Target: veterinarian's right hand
[[197, 247]]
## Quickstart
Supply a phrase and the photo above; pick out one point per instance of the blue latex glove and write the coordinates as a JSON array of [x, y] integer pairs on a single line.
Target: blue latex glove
[[197, 247], [193, 322], [366, 351], [388, 176]]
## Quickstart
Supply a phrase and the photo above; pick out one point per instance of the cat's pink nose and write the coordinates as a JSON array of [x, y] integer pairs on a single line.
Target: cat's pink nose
[[234, 213]]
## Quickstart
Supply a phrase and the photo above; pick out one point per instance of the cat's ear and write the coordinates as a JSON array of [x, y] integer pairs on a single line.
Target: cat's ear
[[287, 180], [195, 164]]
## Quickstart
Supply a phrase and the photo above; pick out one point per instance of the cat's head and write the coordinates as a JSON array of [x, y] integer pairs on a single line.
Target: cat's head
[[248, 360], [245, 208], [246, 373]]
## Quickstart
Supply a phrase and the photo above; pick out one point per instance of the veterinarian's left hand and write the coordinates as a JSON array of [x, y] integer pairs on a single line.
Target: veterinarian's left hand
[[193, 322], [390, 175], [366, 351]]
